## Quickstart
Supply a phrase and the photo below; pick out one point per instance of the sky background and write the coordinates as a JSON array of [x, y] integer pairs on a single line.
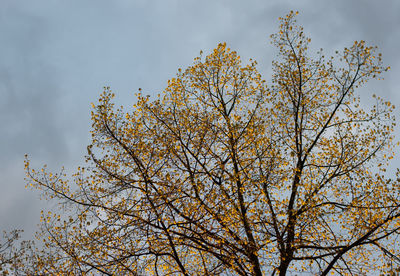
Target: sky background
[[55, 57]]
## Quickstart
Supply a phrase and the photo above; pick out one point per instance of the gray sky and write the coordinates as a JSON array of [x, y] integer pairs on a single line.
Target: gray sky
[[55, 57]]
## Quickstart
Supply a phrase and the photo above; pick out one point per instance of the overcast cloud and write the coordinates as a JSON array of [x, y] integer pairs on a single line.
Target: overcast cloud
[[55, 57]]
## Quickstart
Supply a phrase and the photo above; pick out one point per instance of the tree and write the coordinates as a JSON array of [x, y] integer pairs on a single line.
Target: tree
[[13, 257], [7, 254], [223, 175]]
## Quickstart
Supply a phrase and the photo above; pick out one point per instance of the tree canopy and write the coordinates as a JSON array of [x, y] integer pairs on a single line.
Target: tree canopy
[[224, 175]]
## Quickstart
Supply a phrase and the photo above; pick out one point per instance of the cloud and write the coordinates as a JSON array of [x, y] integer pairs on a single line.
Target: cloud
[[55, 56], [29, 119]]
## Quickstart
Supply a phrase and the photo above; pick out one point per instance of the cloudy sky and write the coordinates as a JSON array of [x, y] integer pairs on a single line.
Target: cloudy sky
[[55, 57]]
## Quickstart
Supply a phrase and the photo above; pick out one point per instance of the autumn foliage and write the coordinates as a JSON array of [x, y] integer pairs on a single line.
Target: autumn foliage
[[224, 175]]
